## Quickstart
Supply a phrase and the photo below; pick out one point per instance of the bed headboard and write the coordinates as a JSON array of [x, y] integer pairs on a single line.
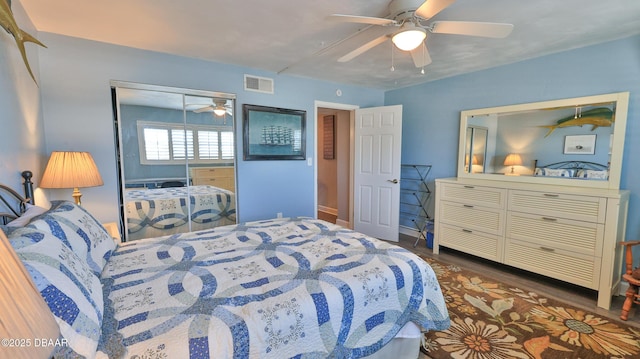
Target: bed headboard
[[573, 169], [12, 203], [574, 165]]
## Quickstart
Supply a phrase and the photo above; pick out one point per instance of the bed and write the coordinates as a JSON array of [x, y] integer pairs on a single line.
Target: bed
[[573, 169], [163, 211], [280, 288]]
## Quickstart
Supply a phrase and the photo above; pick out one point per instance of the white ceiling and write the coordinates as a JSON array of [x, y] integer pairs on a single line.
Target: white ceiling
[[294, 37]]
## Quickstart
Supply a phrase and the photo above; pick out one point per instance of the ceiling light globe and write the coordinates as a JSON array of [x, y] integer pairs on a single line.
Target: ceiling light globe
[[410, 39], [219, 111]]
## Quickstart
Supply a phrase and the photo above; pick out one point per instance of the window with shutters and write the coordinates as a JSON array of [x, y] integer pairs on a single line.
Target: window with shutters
[[164, 143]]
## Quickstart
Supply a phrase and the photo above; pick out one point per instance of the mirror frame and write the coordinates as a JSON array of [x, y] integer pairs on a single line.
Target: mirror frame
[[621, 100], [116, 84]]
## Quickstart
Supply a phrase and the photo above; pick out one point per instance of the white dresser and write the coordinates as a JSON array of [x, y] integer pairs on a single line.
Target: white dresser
[[563, 232]]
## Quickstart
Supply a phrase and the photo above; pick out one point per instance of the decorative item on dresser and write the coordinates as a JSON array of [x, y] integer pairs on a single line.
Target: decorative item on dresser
[[563, 221]]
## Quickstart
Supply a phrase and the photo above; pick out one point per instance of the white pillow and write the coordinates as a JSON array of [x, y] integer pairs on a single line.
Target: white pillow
[[69, 287], [30, 212], [554, 172], [593, 174]]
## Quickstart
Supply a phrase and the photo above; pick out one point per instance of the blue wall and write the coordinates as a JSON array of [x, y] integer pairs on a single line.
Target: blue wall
[[78, 115], [431, 111]]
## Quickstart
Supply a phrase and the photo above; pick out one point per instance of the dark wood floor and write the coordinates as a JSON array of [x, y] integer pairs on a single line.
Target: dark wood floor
[[580, 297]]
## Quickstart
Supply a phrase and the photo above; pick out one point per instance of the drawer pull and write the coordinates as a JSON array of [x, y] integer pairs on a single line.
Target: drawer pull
[[469, 187], [547, 249], [551, 195], [549, 219], [467, 230], [467, 205]]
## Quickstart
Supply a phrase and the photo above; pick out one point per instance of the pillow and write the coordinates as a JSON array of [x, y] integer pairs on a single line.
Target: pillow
[[80, 231], [593, 174], [30, 212], [67, 284], [554, 172]]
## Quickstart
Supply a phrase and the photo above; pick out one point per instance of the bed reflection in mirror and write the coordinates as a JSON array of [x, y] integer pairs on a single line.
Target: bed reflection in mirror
[[176, 159]]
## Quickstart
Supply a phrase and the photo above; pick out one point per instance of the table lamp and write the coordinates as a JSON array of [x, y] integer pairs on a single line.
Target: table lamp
[[24, 316], [71, 170], [513, 159]]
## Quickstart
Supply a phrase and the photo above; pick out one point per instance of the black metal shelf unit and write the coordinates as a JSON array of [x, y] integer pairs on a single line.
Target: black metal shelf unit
[[414, 199]]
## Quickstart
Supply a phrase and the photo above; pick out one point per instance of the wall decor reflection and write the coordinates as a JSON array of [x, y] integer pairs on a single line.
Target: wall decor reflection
[[271, 133], [580, 145]]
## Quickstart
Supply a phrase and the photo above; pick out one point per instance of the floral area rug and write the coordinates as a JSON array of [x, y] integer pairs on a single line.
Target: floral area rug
[[493, 320]]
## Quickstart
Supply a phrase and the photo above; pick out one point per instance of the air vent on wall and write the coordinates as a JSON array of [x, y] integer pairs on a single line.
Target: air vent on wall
[[258, 84]]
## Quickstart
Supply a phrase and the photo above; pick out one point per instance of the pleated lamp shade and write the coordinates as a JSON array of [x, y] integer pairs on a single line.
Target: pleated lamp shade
[[71, 170], [513, 159], [27, 326]]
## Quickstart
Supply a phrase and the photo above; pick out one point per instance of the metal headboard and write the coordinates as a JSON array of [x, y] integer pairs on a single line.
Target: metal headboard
[[574, 165], [12, 204]]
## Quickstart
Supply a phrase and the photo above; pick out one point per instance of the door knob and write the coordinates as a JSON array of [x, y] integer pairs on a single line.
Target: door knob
[[393, 181]]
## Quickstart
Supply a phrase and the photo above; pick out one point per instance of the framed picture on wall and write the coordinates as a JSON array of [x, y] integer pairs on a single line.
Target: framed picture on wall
[[580, 145], [271, 133]]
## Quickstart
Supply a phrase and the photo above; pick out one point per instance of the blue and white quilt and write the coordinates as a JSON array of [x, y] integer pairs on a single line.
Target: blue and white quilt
[[284, 288], [162, 211]]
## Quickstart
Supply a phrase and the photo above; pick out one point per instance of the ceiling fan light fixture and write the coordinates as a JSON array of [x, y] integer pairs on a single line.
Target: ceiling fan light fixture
[[409, 37], [219, 111]]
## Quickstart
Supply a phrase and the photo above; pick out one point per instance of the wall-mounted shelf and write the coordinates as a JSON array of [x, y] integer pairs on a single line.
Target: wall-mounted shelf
[[414, 199]]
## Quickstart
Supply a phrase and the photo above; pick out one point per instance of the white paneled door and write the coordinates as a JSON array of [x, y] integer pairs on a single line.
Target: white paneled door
[[378, 139]]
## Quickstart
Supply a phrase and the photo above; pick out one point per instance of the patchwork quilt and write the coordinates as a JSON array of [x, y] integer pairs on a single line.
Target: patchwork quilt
[[162, 211], [284, 288]]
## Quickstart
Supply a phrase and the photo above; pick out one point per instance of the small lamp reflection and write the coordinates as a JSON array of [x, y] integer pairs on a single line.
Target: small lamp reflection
[[513, 159]]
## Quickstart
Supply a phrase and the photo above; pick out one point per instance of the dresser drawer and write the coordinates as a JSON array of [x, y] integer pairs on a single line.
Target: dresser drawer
[[490, 220], [224, 183], [473, 242], [473, 195], [583, 208], [212, 172], [551, 232], [571, 267]]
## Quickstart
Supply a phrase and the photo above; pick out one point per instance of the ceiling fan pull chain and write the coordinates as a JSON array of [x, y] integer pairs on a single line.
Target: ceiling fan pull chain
[[392, 59], [424, 54]]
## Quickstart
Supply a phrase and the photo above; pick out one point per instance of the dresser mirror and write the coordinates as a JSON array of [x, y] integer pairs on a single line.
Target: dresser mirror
[[572, 142], [475, 149], [176, 159]]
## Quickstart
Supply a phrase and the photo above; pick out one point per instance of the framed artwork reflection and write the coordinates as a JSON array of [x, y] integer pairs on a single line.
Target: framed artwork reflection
[[580, 145]]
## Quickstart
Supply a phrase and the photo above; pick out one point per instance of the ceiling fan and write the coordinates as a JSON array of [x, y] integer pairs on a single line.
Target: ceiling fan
[[219, 108], [408, 30]]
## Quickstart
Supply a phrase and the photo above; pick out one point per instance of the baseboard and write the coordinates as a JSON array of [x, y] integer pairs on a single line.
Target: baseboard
[[325, 209], [622, 288], [409, 231], [343, 223]]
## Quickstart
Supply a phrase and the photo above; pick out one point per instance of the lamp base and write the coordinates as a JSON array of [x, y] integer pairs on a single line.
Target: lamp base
[[76, 196]]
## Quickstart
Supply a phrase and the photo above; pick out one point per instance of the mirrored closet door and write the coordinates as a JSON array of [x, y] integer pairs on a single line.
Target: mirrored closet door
[[176, 159]]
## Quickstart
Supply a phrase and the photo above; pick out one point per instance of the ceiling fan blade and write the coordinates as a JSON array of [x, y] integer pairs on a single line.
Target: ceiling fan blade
[[470, 28], [204, 109], [361, 19], [364, 48], [420, 56], [430, 8]]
